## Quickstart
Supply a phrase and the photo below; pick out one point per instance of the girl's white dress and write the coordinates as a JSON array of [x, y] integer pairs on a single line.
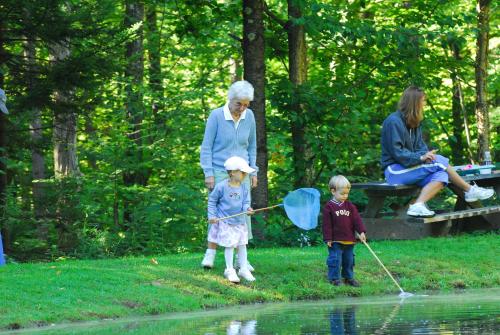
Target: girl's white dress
[[226, 200], [229, 236]]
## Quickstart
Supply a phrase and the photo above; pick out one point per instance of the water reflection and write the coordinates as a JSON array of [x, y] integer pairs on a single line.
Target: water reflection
[[387, 322], [343, 321], [476, 312], [242, 327]]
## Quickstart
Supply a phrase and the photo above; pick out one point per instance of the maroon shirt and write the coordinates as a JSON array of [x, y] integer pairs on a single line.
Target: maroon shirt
[[340, 221]]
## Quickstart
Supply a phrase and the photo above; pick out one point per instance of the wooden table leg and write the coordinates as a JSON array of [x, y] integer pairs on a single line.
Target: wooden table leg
[[374, 206]]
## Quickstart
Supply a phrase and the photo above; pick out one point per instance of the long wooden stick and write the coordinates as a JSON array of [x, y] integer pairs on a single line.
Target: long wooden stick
[[254, 211], [383, 266]]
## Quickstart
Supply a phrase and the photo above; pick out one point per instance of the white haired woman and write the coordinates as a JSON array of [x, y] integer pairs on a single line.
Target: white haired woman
[[230, 131]]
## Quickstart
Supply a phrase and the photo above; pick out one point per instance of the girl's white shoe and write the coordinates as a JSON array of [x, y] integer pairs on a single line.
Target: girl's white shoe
[[246, 274], [208, 260], [249, 266], [230, 275]]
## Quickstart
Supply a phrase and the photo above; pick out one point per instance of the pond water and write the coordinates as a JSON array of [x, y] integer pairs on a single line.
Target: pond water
[[473, 312]]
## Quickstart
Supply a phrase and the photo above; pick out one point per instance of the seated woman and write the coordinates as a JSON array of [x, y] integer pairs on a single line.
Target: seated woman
[[407, 160]]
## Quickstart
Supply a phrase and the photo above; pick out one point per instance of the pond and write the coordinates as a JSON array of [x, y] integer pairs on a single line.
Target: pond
[[471, 312]]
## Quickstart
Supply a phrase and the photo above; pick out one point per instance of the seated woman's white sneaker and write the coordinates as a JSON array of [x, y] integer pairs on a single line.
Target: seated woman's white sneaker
[[246, 274], [478, 193], [230, 274], [420, 210]]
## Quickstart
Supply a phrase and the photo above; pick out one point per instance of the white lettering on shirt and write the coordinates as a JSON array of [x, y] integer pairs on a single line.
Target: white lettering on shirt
[[342, 212]]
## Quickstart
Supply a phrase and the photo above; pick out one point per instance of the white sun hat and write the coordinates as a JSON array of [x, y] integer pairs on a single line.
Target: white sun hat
[[237, 163]]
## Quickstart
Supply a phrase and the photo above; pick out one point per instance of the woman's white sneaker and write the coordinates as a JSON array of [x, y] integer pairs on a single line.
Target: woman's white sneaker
[[478, 193], [246, 274], [230, 274], [420, 210]]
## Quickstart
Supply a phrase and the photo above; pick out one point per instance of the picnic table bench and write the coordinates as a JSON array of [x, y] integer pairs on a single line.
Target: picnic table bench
[[398, 225]]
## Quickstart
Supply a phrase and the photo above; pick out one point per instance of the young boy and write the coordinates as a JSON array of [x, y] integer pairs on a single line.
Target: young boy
[[341, 221]]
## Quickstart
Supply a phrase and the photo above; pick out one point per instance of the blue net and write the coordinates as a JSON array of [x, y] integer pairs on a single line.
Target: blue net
[[302, 207]]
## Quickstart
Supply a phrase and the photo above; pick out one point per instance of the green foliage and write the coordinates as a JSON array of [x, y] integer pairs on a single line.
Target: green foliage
[[361, 55]]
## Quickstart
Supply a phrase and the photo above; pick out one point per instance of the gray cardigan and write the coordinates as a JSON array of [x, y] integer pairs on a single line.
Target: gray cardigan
[[222, 141], [401, 144]]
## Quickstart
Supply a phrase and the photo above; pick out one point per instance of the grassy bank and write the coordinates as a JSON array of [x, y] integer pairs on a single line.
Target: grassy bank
[[40, 294]]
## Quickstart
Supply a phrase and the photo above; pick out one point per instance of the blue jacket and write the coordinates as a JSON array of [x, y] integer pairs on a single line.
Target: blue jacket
[[222, 141], [401, 144], [226, 200]]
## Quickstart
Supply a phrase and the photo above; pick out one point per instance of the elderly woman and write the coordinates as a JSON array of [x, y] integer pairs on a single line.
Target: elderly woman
[[230, 131], [407, 160]]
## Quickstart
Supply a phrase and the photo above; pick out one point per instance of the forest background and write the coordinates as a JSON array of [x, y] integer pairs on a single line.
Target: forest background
[[108, 101]]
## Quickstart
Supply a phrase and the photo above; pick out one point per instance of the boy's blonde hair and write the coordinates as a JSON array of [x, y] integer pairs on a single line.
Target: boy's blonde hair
[[338, 182]]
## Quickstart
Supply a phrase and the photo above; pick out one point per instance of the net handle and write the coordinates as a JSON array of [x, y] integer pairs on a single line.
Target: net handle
[[254, 211]]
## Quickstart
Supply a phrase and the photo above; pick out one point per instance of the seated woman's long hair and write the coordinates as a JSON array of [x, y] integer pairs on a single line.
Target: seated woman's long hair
[[411, 105]]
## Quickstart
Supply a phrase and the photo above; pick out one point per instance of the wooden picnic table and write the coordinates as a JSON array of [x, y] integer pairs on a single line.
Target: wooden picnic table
[[398, 225], [485, 222]]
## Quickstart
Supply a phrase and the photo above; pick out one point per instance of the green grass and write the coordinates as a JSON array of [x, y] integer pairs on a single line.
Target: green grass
[[75, 290]]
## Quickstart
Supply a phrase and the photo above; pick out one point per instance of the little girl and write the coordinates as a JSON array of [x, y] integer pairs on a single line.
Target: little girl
[[230, 197]]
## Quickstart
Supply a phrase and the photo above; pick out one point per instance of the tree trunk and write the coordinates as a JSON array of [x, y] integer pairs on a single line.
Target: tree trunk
[[255, 73], [65, 154], [456, 143], [134, 13], [3, 148], [37, 159], [235, 67], [483, 121], [154, 57], [65, 122], [91, 133], [297, 62]]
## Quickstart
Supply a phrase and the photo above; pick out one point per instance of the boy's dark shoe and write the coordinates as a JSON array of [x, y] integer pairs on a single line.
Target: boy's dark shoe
[[352, 282], [336, 282]]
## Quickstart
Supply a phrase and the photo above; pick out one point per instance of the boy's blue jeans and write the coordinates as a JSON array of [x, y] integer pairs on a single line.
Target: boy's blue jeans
[[340, 256]]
